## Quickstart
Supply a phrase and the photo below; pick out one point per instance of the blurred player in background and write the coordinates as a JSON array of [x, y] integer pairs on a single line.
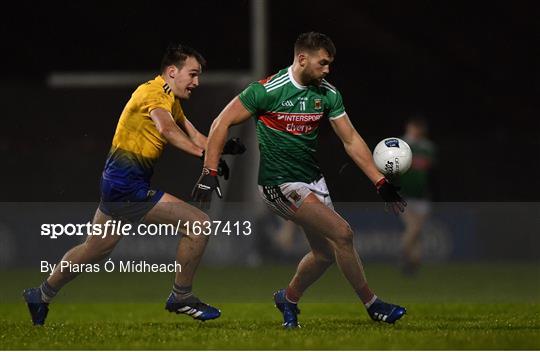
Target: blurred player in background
[[417, 189], [152, 118], [288, 108]]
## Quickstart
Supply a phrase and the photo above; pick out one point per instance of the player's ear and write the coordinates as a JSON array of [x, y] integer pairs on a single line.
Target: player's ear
[[172, 70], [302, 59]]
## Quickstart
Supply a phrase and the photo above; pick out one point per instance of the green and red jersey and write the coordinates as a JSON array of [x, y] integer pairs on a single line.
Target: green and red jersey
[[287, 116], [415, 182]]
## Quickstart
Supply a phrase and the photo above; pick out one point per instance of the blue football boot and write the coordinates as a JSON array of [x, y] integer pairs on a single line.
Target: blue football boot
[[37, 307], [387, 312], [288, 309], [192, 307]]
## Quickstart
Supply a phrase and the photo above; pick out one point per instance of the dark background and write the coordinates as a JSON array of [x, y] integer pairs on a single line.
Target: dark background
[[471, 68]]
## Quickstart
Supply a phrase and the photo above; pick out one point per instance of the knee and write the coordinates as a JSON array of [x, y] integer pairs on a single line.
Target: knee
[[202, 218], [196, 217], [98, 250], [343, 236], [198, 226]]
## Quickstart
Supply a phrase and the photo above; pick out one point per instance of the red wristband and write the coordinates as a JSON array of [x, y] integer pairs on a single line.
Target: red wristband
[[381, 182], [209, 171]]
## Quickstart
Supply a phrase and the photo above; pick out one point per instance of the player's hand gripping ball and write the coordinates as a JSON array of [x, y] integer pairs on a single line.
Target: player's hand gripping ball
[[392, 156]]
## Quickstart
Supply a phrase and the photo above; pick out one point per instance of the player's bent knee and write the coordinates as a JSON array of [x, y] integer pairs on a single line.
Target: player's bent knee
[[197, 217], [198, 226], [98, 250], [343, 236], [203, 218]]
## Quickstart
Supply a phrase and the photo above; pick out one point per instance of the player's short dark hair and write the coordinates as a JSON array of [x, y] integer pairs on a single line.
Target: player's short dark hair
[[313, 41], [177, 54]]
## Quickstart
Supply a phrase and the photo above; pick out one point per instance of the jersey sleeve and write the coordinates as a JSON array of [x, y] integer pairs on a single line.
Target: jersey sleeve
[[254, 97], [153, 99], [336, 107]]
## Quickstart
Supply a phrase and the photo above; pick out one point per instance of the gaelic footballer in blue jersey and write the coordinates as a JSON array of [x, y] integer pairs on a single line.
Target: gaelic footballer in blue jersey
[[152, 118]]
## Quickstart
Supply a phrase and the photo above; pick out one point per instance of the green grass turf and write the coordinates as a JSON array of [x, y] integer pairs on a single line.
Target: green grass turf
[[459, 306]]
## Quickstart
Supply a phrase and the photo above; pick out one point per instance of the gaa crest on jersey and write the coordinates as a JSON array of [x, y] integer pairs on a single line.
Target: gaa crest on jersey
[[295, 196], [318, 104]]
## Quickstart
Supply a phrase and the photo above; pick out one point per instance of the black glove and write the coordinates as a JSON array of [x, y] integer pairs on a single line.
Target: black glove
[[207, 183], [389, 193], [233, 146], [223, 169]]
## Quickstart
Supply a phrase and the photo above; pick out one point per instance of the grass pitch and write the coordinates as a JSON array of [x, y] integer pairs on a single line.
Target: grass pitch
[[465, 306]]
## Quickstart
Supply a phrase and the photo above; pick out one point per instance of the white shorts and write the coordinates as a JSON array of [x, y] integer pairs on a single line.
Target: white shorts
[[285, 199]]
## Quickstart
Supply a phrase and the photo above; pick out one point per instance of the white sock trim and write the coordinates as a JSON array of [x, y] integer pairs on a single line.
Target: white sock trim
[[368, 304], [45, 298], [290, 300], [182, 296]]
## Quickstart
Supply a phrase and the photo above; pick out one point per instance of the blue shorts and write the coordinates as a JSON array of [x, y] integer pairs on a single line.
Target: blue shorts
[[129, 202]]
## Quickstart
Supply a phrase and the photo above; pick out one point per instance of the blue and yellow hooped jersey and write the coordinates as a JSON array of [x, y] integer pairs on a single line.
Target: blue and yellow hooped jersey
[[137, 144]]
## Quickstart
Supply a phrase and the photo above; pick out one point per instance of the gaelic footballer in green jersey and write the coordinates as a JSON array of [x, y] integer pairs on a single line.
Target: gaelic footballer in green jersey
[[415, 185], [288, 108], [287, 117]]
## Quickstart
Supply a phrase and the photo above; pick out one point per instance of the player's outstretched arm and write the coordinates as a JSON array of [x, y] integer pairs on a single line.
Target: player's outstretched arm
[[233, 114], [168, 128], [196, 137], [356, 148]]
